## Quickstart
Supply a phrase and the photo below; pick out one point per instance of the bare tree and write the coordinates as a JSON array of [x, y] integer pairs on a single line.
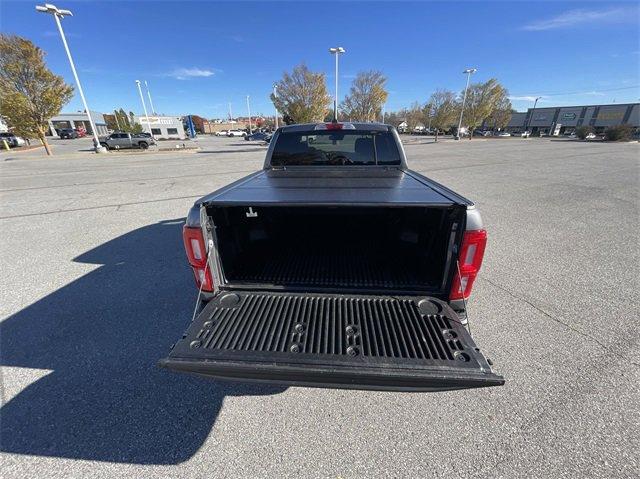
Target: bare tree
[[367, 96], [482, 100], [414, 116], [302, 96], [30, 94], [443, 109]]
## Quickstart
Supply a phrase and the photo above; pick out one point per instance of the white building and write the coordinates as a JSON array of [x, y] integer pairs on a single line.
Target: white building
[[79, 120], [162, 127]]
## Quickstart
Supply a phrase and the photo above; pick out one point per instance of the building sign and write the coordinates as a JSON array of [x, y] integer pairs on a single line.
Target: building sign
[[568, 116], [540, 118], [157, 121], [611, 115]]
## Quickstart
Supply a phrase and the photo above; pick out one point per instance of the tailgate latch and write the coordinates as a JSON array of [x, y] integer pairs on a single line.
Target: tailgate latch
[[251, 213]]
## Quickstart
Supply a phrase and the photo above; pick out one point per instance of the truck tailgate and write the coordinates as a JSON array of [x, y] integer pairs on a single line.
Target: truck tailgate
[[400, 343]]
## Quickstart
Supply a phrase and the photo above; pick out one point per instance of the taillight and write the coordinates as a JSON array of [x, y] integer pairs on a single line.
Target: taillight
[[470, 259], [197, 256]]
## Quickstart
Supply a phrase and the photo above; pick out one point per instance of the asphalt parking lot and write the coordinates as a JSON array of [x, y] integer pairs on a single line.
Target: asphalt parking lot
[[95, 288]]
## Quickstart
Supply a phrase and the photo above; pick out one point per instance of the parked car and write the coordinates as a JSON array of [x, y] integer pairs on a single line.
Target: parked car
[[335, 266], [503, 134], [257, 136], [236, 133], [221, 133], [67, 133], [591, 136], [12, 140], [117, 141], [481, 133]]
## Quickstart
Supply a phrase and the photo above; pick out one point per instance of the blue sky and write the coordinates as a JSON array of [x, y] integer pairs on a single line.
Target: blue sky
[[199, 56]]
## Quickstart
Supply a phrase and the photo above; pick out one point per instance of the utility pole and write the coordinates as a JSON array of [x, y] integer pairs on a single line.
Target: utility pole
[[532, 112], [249, 111], [230, 115], [58, 14], [336, 51], [469, 72], [275, 95], [144, 107], [153, 110]]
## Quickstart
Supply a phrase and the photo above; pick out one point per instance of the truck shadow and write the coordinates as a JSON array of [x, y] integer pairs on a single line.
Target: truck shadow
[[101, 335]]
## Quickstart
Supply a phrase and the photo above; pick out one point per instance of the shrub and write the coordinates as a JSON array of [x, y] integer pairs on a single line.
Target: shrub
[[618, 133], [583, 131]]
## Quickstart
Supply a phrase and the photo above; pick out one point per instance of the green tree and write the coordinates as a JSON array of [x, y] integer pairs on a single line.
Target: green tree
[[302, 96], [501, 116], [442, 109], [482, 100], [366, 97], [30, 94]]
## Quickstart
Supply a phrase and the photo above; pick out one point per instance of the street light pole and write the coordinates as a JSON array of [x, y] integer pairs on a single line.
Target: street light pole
[[249, 111], [58, 14], [336, 51], [153, 110], [275, 95], [469, 72], [144, 107], [532, 112]]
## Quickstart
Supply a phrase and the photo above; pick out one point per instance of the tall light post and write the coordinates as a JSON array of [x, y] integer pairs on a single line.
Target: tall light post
[[469, 72], [336, 51], [275, 95], [153, 110], [144, 107], [58, 14], [532, 112], [249, 111]]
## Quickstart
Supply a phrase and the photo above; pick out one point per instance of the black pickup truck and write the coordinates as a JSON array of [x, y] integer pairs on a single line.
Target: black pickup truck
[[335, 266]]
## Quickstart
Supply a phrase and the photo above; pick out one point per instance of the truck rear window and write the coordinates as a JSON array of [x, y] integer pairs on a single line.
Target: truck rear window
[[345, 147]]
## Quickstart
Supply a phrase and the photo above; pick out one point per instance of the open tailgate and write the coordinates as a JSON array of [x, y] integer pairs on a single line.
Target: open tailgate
[[399, 343]]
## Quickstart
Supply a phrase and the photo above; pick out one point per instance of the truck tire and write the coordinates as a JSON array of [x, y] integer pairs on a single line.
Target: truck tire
[[143, 145]]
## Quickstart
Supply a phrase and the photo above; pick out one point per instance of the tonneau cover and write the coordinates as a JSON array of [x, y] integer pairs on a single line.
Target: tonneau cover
[[335, 186]]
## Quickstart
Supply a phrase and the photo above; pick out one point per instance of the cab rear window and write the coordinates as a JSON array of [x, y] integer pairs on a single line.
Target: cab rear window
[[345, 147]]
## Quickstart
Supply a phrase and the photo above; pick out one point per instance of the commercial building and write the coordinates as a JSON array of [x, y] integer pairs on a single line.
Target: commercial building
[[79, 120], [162, 127], [565, 119]]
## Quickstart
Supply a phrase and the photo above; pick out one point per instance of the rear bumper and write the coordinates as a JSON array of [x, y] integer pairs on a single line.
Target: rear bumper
[[349, 377]]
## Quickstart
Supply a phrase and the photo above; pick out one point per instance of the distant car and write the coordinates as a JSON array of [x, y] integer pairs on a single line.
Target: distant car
[[481, 133], [11, 139], [591, 136], [503, 134], [67, 133], [257, 136], [524, 134], [231, 133], [221, 133]]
